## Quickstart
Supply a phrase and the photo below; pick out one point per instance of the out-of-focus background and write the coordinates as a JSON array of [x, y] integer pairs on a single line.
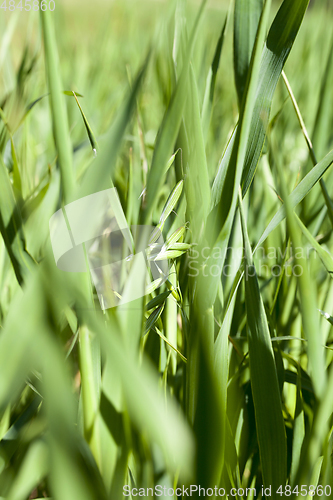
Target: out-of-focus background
[[82, 408], [102, 44]]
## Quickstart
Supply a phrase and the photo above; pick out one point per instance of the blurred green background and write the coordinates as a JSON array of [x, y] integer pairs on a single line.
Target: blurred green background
[[165, 392]]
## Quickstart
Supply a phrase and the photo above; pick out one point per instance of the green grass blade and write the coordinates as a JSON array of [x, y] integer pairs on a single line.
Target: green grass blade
[[320, 135], [168, 131], [312, 450], [171, 326], [146, 406], [99, 175], [310, 320], [11, 228], [33, 470], [207, 106], [58, 108], [246, 20], [279, 42], [219, 180], [225, 210], [264, 380], [313, 157], [153, 318], [208, 415], [171, 203], [197, 186], [221, 369], [90, 133], [324, 255], [11, 441], [298, 194], [299, 430]]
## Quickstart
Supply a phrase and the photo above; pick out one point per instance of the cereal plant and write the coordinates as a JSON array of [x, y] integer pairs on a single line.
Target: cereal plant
[[166, 249]]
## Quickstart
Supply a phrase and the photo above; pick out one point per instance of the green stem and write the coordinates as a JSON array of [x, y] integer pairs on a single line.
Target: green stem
[[89, 356], [90, 401], [327, 198], [58, 108]]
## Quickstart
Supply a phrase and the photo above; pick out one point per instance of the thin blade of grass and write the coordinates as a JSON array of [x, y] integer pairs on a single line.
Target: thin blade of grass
[[225, 210], [11, 228], [264, 379], [102, 170], [310, 321], [246, 21], [168, 131], [207, 106], [197, 186], [58, 108], [279, 42], [298, 194], [33, 470]]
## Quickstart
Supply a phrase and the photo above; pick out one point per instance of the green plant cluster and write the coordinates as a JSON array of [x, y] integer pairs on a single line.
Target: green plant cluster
[[214, 122]]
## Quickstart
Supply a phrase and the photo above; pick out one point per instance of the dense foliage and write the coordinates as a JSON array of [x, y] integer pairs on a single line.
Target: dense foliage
[[214, 122]]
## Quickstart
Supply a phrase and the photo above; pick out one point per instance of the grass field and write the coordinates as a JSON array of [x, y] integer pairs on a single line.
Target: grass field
[[213, 122]]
